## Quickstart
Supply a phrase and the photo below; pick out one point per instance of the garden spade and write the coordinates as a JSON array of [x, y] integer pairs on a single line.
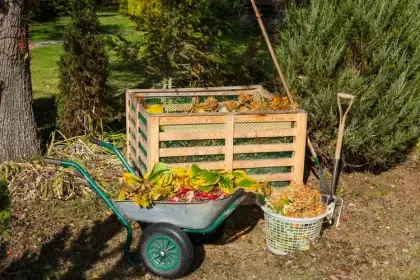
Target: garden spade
[[340, 137]]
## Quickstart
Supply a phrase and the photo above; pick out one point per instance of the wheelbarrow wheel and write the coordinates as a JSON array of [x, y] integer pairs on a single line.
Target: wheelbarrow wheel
[[166, 250]]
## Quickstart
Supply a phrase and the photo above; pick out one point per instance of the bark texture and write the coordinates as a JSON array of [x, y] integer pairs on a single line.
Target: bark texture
[[18, 133]]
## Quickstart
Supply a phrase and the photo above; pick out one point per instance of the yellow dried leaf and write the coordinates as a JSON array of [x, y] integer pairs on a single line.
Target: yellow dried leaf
[[180, 172], [155, 109], [122, 196], [142, 200]]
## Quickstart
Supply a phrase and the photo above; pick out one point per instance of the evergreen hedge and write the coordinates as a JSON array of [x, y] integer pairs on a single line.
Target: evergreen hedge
[[84, 70], [370, 49]]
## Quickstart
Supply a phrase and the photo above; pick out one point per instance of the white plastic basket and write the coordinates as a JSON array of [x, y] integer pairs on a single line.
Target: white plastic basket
[[285, 235]]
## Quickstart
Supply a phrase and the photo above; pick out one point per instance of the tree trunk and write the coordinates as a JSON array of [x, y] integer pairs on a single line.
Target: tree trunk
[[18, 133]]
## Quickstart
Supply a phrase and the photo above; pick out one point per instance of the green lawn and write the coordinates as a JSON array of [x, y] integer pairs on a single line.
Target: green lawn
[[111, 23], [44, 67]]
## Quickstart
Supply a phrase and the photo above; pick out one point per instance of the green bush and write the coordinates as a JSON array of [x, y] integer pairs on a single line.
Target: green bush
[[43, 10], [182, 40], [5, 214], [84, 70], [123, 9], [366, 48]]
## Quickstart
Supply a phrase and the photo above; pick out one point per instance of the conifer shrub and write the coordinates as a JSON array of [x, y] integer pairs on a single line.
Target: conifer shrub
[[370, 49], [84, 70], [182, 40]]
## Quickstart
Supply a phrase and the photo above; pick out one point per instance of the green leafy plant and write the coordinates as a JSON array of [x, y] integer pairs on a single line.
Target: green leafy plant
[[195, 183]]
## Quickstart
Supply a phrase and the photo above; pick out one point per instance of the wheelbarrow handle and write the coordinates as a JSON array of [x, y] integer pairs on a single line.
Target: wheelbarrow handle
[[103, 196], [53, 161], [116, 151], [96, 141]]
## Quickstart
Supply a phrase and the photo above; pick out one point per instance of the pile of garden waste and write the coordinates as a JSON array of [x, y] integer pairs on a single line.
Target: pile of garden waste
[[297, 201], [186, 185], [244, 103]]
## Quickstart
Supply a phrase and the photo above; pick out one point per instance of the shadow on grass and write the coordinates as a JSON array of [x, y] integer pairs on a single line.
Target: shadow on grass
[[45, 109], [78, 255], [50, 31]]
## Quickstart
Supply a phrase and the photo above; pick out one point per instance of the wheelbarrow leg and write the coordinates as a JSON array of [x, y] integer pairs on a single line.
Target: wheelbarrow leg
[[102, 195]]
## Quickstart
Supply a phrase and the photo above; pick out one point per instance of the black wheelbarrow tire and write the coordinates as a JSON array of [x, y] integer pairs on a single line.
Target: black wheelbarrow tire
[[166, 250]]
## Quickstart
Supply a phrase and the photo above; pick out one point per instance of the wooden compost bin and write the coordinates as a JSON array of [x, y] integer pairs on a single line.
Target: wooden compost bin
[[270, 146]]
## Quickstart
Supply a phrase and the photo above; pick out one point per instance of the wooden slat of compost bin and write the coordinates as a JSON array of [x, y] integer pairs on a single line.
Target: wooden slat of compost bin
[[192, 120], [255, 163], [192, 91], [263, 148], [229, 132], [214, 165], [196, 135], [266, 133], [279, 117], [191, 151], [273, 177], [300, 142], [152, 141], [128, 126], [136, 133]]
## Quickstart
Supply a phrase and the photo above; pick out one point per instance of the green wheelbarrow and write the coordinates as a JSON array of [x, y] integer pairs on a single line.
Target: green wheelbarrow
[[165, 246]]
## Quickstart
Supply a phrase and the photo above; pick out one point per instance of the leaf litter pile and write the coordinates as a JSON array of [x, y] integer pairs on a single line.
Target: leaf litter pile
[[297, 201], [185, 185], [35, 179], [245, 103]]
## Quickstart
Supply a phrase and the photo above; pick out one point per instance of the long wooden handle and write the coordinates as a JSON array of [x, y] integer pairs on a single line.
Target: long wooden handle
[[342, 121], [270, 49]]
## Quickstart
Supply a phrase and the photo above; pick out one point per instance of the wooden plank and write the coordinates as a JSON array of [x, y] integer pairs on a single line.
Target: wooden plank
[[143, 158], [300, 142], [128, 123], [263, 148], [202, 135], [279, 117], [191, 151], [273, 177], [265, 133], [255, 163], [229, 127], [212, 165], [152, 142], [138, 136], [192, 120], [262, 113], [192, 91], [143, 127]]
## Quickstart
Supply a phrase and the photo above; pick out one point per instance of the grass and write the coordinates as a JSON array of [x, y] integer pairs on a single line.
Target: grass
[[44, 67], [111, 23]]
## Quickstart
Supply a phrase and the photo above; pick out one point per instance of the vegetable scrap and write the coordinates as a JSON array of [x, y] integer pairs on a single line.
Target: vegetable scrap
[[244, 103], [297, 201], [186, 185]]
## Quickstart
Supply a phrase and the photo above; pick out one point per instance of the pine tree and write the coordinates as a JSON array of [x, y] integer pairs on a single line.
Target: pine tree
[[84, 70]]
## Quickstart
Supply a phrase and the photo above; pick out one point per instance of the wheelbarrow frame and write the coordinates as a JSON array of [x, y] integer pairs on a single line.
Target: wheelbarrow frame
[[229, 208]]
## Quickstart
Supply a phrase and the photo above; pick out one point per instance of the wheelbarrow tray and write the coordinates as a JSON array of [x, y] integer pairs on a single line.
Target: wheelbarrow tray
[[194, 215]]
